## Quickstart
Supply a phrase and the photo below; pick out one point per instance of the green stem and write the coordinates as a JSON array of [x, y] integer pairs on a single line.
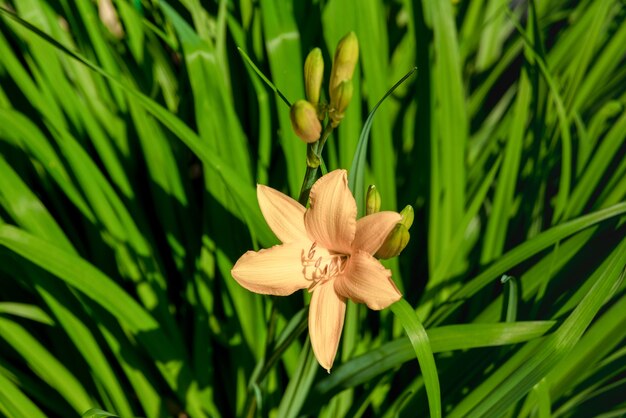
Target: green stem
[[280, 349], [271, 327], [314, 156], [269, 361]]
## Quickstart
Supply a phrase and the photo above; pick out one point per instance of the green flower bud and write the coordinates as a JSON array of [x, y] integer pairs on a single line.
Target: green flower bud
[[304, 121], [313, 75], [340, 86], [346, 57], [372, 201], [407, 216], [340, 101], [397, 239]]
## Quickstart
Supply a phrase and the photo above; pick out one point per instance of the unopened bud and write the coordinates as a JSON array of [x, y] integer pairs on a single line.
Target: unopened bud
[[407, 216], [346, 57], [397, 239], [339, 101], [304, 121], [109, 18], [372, 201], [313, 75]]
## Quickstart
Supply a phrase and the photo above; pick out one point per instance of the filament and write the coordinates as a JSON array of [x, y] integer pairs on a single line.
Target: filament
[[319, 270]]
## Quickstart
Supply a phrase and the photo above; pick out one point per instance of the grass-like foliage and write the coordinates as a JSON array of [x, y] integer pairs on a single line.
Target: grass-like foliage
[[133, 133]]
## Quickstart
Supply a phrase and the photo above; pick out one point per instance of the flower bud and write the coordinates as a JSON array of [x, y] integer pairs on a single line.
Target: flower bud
[[346, 57], [339, 101], [304, 121], [399, 236], [397, 239], [407, 216], [313, 75], [109, 18], [372, 201]]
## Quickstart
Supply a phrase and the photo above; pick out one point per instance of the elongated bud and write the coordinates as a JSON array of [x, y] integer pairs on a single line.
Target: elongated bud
[[304, 121], [372, 201], [340, 86], [397, 239], [346, 57], [407, 216], [109, 18], [313, 75], [339, 103]]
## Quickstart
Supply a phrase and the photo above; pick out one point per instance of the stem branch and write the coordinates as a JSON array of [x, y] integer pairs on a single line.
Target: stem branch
[[313, 158]]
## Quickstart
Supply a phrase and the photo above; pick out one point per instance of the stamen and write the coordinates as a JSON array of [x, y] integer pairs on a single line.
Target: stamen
[[322, 269], [312, 250]]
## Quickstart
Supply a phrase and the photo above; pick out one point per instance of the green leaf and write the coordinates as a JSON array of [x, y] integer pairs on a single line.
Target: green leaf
[[421, 345], [390, 355], [507, 385], [238, 188], [14, 403], [523, 252], [262, 76], [167, 353], [300, 382], [24, 310], [97, 413], [356, 176], [45, 364]]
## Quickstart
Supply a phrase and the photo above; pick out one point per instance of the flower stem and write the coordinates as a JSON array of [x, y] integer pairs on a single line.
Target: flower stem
[[269, 361], [313, 158]]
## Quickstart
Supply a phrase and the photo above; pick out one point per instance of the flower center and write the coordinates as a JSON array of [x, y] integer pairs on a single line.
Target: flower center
[[321, 268]]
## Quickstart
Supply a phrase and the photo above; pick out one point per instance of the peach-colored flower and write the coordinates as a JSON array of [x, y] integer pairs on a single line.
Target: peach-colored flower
[[326, 250]]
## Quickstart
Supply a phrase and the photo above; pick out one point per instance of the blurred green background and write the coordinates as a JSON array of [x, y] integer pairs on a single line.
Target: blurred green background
[[132, 134]]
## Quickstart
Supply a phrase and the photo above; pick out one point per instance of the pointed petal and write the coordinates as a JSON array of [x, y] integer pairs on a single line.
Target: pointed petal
[[275, 271], [365, 280], [284, 215], [326, 315], [372, 230], [331, 219]]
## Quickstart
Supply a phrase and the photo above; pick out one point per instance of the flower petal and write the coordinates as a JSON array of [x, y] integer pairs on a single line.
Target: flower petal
[[331, 219], [326, 315], [275, 271], [284, 215], [372, 230], [365, 280]]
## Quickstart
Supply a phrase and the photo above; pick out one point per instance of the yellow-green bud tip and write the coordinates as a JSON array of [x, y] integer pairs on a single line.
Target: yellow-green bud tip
[[313, 75], [304, 121], [397, 239], [407, 216], [372, 201], [340, 87], [346, 57]]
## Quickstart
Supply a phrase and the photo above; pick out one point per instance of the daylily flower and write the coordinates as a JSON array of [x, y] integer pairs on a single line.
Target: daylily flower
[[326, 250]]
